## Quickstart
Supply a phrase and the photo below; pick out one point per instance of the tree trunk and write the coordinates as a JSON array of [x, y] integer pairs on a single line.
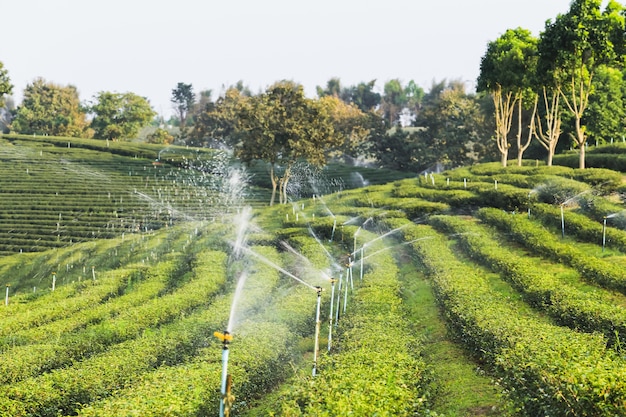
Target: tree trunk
[[520, 148], [274, 184], [285, 181], [581, 162], [582, 140]]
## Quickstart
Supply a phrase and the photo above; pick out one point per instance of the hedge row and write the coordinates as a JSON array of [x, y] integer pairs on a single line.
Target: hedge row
[[139, 291], [541, 241], [90, 294], [589, 311], [31, 360], [581, 226], [374, 368], [545, 369], [260, 358]]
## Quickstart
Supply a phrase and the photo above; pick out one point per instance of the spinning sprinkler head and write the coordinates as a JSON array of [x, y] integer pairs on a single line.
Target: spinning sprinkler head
[[227, 398]]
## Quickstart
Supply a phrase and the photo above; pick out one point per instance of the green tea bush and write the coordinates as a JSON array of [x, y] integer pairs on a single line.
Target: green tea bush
[[545, 369], [590, 311], [544, 243]]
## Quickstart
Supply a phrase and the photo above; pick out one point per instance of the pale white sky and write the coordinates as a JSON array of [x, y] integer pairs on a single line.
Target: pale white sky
[[148, 46]]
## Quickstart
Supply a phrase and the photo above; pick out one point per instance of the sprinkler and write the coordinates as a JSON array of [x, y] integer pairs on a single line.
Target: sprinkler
[[6, 299], [330, 324], [362, 254], [54, 280], [317, 329], [603, 233], [332, 234], [227, 398], [339, 298], [562, 223]]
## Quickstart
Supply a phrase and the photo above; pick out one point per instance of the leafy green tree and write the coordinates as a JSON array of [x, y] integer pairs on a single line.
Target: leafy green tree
[[6, 88], [506, 72], [285, 127], [453, 128], [333, 88], [160, 136], [363, 96], [414, 96], [183, 99], [605, 114], [120, 115], [573, 47], [216, 121], [393, 100], [396, 149], [349, 123], [51, 109]]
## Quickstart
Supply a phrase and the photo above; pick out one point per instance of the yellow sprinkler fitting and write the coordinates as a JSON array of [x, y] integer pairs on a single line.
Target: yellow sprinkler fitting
[[223, 337]]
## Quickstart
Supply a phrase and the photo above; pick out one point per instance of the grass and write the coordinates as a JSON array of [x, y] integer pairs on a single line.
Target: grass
[[463, 388]]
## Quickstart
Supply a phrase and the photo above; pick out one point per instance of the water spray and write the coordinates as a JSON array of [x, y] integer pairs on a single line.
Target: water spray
[[278, 268], [227, 400], [317, 329]]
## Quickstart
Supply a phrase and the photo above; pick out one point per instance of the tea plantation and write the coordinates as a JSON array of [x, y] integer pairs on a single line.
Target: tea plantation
[[480, 291]]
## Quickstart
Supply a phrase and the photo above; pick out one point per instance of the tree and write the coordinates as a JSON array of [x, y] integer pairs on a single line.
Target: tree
[[282, 127], [349, 123], [6, 88], [547, 129], [393, 100], [573, 47], [363, 96], [216, 121], [160, 136], [120, 115], [333, 88], [183, 99], [605, 113], [505, 72], [51, 109], [453, 129]]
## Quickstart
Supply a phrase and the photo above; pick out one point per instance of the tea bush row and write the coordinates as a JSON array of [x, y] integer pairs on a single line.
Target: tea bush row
[[387, 377], [541, 241], [545, 369], [261, 353], [30, 360], [581, 310]]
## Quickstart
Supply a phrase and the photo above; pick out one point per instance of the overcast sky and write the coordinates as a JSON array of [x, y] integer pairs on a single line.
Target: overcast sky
[[148, 46]]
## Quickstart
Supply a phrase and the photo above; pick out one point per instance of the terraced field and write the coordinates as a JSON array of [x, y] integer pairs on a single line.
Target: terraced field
[[480, 291]]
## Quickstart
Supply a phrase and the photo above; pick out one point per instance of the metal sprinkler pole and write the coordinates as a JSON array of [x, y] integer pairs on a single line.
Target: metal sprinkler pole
[[603, 233], [227, 399], [339, 298], [6, 298], [317, 329], [330, 324], [562, 223], [362, 253], [345, 292]]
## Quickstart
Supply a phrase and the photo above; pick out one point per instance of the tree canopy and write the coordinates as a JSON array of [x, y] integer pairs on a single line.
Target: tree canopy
[[6, 88], [120, 115], [51, 109], [572, 49]]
